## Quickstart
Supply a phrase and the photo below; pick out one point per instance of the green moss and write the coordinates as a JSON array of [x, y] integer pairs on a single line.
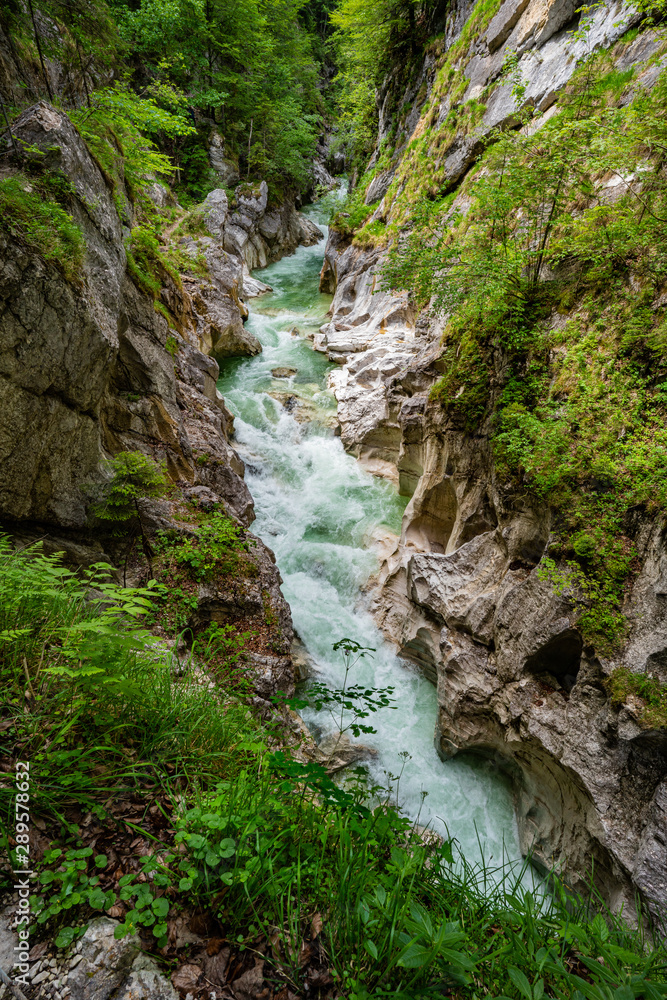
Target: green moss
[[372, 234], [28, 213], [161, 308], [354, 213], [146, 263], [651, 693]]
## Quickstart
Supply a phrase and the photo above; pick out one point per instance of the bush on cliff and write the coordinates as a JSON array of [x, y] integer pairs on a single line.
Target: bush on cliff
[[555, 341]]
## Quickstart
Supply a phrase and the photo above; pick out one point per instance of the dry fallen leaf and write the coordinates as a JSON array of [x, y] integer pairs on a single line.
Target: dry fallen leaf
[[215, 967], [214, 945], [316, 926], [247, 986], [186, 978]]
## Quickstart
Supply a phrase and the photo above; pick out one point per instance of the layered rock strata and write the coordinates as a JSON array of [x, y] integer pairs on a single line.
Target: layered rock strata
[[464, 594]]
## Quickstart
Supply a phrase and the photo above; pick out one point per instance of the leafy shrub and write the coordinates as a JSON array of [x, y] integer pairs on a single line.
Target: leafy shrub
[[215, 549], [118, 130]]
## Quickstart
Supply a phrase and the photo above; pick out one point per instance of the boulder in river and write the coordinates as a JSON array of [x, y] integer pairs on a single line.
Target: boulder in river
[[283, 372]]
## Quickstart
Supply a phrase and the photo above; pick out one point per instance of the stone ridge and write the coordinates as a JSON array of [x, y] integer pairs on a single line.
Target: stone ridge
[[460, 594]]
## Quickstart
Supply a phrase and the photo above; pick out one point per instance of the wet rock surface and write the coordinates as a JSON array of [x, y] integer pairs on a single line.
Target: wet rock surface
[[252, 231]]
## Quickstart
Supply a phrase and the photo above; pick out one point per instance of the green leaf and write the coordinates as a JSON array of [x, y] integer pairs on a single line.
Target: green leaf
[[65, 937], [415, 956], [160, 907], [226, 848], [371, 949], [521, 982], [97, 899]]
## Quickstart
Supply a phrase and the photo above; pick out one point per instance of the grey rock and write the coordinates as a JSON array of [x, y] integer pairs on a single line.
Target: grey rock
[[146, 982], [252, 287], [378, 187], [84, 371], [321, 176], [218, 302], [252, 199], [337, 752], [106, 962], [501, 25], [216, 209], [226, 167]]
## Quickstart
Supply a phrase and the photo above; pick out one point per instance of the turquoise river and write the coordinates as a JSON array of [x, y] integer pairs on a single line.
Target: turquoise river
[[317, 508]]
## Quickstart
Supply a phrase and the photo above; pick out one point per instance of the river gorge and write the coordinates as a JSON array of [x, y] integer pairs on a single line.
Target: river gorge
[[319, 511], [336, 321]]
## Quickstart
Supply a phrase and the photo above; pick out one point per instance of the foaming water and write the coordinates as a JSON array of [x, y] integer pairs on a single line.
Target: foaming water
[[316, 508]]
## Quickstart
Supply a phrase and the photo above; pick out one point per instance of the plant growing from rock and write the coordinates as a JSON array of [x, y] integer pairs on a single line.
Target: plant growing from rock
[[135, 481]]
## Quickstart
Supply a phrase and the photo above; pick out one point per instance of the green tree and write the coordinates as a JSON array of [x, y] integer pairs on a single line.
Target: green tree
[[135, 480], [246, 66]]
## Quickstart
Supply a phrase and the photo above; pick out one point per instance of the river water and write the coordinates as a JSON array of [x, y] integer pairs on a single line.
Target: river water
[[316, 508]]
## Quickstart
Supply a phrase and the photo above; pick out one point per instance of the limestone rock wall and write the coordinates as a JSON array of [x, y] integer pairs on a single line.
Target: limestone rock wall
[[84, 369], [250, 232], [462, 595], [91, 367]]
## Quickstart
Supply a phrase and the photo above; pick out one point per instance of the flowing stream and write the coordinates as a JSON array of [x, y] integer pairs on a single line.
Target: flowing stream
[[316, 508]]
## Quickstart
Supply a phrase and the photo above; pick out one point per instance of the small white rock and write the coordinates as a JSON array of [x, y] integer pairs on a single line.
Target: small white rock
[[40, 977]]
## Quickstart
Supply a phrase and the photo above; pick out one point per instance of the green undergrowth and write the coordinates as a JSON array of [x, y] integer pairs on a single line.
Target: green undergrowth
[[30, 211], [216, 548], [556, 342], [148, 266], [650, 693], [271, 848], [90, 696], [354, 212]]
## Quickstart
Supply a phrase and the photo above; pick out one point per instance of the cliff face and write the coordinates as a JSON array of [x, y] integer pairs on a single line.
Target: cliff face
[[85, 368], [90, 367], [466, 594]]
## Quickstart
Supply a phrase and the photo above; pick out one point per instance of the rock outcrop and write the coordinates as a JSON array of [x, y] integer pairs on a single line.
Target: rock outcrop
[[465, 599], [84, 371], [250, 232], [92, 368], [464, 594]]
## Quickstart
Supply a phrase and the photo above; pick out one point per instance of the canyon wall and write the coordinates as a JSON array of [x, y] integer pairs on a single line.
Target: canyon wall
[[464, 594], [94, 365]]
